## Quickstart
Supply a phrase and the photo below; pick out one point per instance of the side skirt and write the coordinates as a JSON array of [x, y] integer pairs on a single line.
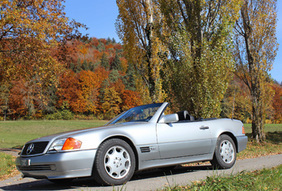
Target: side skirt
[[174, 161]]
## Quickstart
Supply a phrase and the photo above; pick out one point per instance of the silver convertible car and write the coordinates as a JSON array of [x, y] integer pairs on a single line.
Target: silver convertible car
[[140, 138]]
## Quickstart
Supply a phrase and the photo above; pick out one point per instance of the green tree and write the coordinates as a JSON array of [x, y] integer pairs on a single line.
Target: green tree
[[129, 78], [255, 47], [101, 47], [4, 99], [200, 64], [116, 64], [85, 65], [105, 61], [114, 76]]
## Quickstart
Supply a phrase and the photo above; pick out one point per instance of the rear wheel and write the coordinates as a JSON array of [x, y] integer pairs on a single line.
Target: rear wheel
[[114, 163], [225, 153]]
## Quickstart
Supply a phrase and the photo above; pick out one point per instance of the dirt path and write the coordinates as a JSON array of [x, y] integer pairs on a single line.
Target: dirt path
[[148, 180], [13, 152]]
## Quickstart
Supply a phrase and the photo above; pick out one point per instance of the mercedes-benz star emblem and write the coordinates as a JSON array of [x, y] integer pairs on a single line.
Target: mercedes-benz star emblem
[[30, 148]]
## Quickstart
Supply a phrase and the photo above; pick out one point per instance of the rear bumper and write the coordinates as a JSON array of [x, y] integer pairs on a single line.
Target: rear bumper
[[241, 142], [58, 165]]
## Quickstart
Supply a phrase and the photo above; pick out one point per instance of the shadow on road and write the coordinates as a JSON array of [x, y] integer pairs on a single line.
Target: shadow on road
[[89, 183]]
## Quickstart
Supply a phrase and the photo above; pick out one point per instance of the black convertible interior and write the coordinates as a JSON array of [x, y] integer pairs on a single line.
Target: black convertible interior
[[185, 116]]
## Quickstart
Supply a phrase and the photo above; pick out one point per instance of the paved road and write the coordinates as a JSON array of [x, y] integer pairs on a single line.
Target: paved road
[[148, 180]]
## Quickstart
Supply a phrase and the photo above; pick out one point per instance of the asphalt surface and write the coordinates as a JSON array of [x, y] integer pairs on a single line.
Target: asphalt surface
[[146, 180]]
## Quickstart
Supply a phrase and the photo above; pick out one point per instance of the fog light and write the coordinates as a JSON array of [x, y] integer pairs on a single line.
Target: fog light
[[53, 167]]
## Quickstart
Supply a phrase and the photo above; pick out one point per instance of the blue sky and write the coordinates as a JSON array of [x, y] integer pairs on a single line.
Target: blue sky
[[100, 17]]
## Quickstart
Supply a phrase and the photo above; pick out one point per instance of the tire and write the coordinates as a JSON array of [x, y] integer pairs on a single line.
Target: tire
[[225, 153], [114, 163]]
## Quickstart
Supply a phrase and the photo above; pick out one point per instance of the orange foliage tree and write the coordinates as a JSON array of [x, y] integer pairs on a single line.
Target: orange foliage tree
[[81, 90], [277, 103]]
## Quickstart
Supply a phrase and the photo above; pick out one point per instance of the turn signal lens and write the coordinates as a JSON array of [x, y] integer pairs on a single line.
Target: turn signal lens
[[243, 130], [71, 144]]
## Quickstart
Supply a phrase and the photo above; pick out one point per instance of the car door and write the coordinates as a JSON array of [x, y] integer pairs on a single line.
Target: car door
[[183, 139]]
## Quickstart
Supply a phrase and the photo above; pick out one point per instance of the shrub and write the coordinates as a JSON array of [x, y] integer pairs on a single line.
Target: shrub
[[59, 115]]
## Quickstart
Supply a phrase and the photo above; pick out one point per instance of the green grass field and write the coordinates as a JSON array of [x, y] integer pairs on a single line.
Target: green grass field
[[267, 128], [14, 134]]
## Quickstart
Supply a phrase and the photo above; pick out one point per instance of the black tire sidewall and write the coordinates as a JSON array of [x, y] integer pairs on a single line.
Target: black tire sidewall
[[99, 172], [217, 161]]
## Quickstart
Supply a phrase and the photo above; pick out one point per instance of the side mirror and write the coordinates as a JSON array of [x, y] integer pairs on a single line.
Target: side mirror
[[171, 118]]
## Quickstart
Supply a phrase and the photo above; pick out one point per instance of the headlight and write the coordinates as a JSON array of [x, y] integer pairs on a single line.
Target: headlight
[[65, 144]]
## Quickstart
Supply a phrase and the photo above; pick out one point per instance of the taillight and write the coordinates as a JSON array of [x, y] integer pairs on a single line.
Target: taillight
[[243, 130]]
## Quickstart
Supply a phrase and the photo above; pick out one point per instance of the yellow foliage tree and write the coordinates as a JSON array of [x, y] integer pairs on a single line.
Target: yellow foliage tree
[[28, 31], [111, 103], [136, 28], [255, 50], [200, 60]]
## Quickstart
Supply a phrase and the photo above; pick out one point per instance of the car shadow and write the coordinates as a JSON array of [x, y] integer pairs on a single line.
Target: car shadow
[[88, 182]]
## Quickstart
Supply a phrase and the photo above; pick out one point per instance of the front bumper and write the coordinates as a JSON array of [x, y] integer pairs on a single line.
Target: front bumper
[[241, 142], [58, 165]]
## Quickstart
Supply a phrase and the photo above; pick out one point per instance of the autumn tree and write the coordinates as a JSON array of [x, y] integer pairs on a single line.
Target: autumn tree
[[4, 99], [130, 99], [28, 31], [110, 106], [81, 90], [277, 103], [135, 27], [255, 50], [200, 61], [27, 27], [236, 102]]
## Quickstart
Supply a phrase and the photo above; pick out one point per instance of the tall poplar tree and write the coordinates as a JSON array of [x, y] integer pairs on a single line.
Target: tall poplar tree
[[135, 27], [255, 47], [200, 64]]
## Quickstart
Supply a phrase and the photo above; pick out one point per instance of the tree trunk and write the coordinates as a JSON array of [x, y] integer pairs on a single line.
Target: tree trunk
[[257, 114], [149, 51]]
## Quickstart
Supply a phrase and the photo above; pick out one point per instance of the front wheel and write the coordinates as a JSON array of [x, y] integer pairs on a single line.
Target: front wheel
[[225, 153], [114, 163]]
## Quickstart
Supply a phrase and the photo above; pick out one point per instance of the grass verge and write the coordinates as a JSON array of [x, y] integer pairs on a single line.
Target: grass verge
[[266, 179], [7, 166]]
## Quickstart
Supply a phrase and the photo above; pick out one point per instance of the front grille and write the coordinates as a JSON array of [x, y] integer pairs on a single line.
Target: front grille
[[34, 148], [34, 167]]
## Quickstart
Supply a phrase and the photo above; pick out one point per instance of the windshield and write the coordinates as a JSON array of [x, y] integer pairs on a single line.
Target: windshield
[[137, 114]]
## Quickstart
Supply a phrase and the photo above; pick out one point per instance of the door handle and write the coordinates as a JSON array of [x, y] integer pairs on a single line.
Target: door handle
[[204, 127]]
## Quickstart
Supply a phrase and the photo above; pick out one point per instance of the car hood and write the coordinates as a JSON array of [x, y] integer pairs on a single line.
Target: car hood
[[82, 131]]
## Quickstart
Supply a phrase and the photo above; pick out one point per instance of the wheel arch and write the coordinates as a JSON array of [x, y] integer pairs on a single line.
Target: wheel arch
[[232, 137], [128, 141]]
